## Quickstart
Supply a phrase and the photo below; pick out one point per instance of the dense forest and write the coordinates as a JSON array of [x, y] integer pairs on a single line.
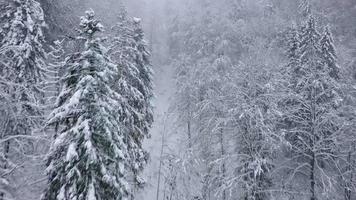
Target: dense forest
[[177, 100]]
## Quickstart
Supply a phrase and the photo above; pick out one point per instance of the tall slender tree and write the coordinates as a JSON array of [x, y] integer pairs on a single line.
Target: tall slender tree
[[88, 157], [328, 52], [305, 8], [312, 123], [22, 75], [129, 50]]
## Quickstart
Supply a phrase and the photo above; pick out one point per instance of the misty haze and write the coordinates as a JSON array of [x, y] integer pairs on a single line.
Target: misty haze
[[177, 99]]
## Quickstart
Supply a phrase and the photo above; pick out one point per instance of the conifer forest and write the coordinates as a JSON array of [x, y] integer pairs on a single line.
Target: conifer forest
[[177, 99]]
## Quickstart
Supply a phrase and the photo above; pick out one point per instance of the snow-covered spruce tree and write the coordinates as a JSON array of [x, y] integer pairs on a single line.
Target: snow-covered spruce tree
[[22, 73], [293, 53], [329, 53], [305, 8], [88, 156], [128, 49], [311, 119]]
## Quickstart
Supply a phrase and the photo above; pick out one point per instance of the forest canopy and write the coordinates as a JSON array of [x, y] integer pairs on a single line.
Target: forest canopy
[[177, 99]]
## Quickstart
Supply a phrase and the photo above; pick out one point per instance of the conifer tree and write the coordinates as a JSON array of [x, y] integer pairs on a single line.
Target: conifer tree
[[22, 75], [329, 53], [87, 160], [312, 122], [130, 52], [305, 8], [22, 59], [293, 53]]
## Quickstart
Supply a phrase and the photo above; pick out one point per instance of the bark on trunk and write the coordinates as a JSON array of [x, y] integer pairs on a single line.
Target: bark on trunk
[[160, 163], [312, 179], [312, 142], [349, 183], [223, 162], [6, 155], [189, 134]]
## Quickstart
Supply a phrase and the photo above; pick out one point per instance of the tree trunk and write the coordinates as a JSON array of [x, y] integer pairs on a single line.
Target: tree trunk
[[189, 134], [6, 155], [223, 161], [160, 162], [206, 191], [189, 125], [349, 183], [206, 180], [313, 141], [312, 178]]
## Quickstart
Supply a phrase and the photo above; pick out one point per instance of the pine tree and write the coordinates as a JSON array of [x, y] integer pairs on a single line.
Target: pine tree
[[309, 44], [87, 160], [130, 52], [22, 60], [293, 53], [312, 122], [22, 74], [329, 53], [305, 8]]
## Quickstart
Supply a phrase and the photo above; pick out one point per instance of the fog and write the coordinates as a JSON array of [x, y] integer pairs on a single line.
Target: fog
[[252, 99]]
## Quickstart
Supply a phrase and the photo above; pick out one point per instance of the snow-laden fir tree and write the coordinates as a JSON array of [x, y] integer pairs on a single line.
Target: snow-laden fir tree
[[22, 73], [312, 123], [329, 53], [292, 53], [305, 8], [87, 160], [128, 49]]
